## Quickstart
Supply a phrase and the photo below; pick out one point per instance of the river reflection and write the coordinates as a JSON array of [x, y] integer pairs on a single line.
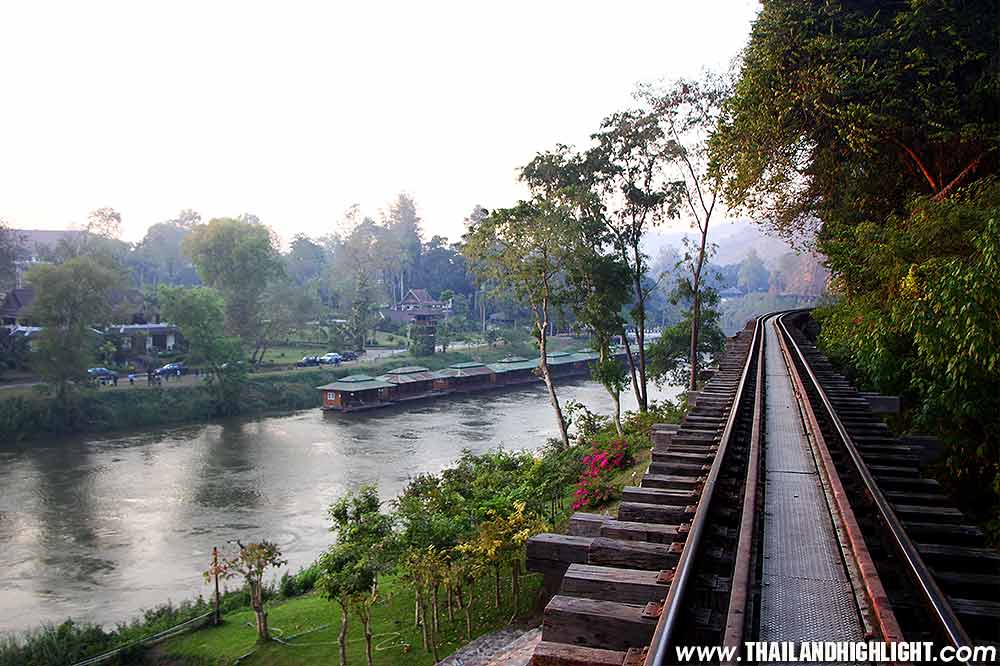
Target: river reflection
[[99, 527]]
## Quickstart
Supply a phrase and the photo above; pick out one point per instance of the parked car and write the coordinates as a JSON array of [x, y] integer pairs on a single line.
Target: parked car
[[308, 362], [171, 369], [102, 373], [333, 358], [349, 355]]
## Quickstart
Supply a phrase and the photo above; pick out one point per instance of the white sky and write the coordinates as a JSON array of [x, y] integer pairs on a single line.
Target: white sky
[[295, 110]]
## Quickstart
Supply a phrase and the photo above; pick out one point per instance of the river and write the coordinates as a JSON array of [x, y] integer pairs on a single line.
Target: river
[[97, 528]]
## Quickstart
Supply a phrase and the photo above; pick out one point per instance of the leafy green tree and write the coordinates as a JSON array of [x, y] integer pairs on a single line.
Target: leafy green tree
[[670, 354], [251, 563], [72, 298], [306, 260], [200, 314], [361, 526], [688, 112], [10, 248], [160, 258], [526, 249], [240, 259], [843, 111], [345, 579]]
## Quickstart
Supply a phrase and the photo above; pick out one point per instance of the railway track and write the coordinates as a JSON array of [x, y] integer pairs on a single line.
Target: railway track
[[721, 542]]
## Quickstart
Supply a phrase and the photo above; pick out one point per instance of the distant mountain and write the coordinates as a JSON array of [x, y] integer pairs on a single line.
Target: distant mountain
[[734, 241]]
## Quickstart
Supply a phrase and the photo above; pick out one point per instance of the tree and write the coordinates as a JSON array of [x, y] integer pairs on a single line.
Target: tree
[[240, 259], [670, 354], [306, 260], [688, 112], [160, 258], [600, 283], [199, 312], [526, 249], [753, 274], [842, 112], [71, 298], [250, 564], [362, 528], [626, 167], [874, 126], [10, 248], [346, 580]]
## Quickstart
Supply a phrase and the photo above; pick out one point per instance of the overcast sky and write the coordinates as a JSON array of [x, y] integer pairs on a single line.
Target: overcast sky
[[295, 110]]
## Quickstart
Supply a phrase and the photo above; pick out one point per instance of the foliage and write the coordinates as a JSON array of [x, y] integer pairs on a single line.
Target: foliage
[[843, 111], [200, 314], [526, 249], [669, 355], [239, 258], [72, 298]]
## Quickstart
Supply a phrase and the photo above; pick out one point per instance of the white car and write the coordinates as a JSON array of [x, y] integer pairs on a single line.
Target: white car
[[333, 358]]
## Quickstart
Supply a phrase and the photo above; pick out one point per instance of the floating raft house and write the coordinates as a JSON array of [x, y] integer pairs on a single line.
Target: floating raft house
[[356, 392]]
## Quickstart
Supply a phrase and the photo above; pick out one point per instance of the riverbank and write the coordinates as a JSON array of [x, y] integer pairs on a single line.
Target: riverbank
[[25, 417], [293, 615], [315, 621]]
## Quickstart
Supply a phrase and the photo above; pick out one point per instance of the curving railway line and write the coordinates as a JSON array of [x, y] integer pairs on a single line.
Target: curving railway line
[[781, 510]]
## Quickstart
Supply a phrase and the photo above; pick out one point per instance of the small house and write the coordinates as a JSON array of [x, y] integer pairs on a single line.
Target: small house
[[464, 377], [356, 392]]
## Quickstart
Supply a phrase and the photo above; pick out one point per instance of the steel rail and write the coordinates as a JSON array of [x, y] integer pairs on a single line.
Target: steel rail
[[684, 571], [739, 593], [946, 620]]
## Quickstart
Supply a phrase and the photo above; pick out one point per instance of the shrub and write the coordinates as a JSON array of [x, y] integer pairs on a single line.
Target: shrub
[[595, 486]]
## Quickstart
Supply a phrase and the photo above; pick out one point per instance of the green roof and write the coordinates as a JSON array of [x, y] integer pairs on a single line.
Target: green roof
[[558, 358], [513, 366], [408, 369], [467, 364], [512, 359], [353, 383]]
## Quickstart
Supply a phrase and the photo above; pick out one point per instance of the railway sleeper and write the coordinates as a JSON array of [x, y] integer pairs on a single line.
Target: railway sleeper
[[609, 625], [969, 558], [629, 586], [548, 653], [925, 532], [641, 512], [659, 496]]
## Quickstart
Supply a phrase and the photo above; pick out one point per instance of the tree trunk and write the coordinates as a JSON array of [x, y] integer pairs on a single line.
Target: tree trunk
[[543, 325], [467, 608], [496, 585], [451, 610], [369, 655], [640, 329], [423, 618], [633, 373], [262, 633], [434, 610], [696, 309], [617, 414], [342, 636], [515, 571]]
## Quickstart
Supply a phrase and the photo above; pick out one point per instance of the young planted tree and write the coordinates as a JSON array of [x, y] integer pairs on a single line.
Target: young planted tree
[[346, 580], [687, 113], [526, 249], [361, 527], [251, 563]]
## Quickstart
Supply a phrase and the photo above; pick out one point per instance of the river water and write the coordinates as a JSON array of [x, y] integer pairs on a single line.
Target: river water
[[97, 528]]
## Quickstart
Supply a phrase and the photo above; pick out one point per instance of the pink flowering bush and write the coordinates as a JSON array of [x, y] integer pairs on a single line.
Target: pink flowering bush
[[595, 487]]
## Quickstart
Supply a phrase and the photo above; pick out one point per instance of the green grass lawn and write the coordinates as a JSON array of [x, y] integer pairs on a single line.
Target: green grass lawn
[[397, 640]]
